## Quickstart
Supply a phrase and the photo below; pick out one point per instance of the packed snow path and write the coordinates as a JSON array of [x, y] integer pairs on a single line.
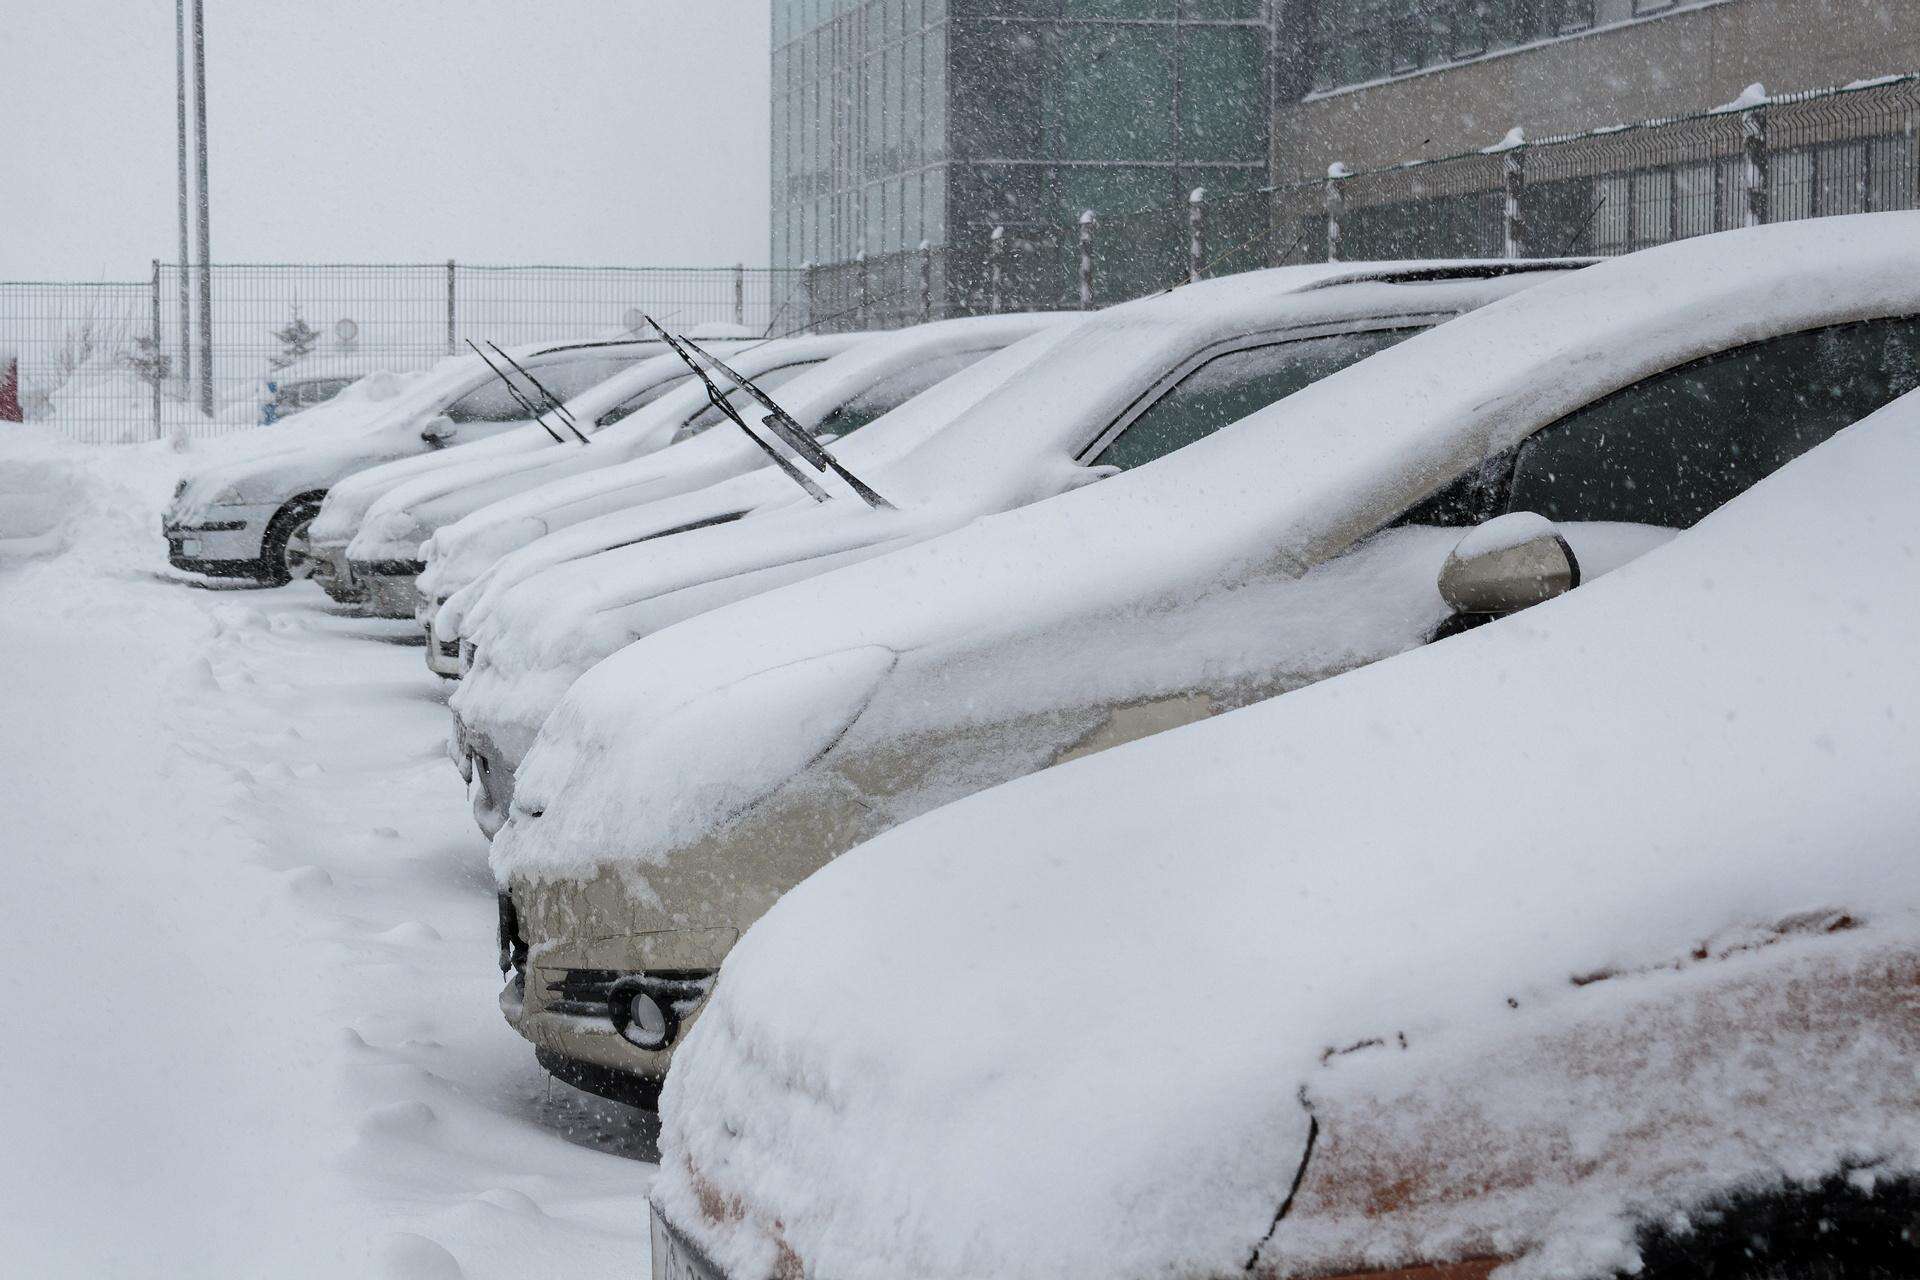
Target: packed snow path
[[250, 1025]]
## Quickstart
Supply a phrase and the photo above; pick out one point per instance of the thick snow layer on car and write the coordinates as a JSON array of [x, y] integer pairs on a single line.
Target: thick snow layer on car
[[853, 362], [583, 517], [1073, 1026], [1267, 499], [1018, 444]]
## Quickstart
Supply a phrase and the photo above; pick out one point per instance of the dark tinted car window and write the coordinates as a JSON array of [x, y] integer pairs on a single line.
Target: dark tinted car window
[[1229, 387], [1670, 449], [641, 399], [888, 394]]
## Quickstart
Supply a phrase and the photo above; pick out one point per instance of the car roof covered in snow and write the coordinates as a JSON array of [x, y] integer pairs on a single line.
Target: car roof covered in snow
[[1277, 492], [1075, 1026]]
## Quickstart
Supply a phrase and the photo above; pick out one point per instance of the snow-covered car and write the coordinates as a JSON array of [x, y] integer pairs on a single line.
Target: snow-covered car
[[1583, 945], [1119, 390], [588, 408], [686, 783], [872, 373], [857, 388], [250, 517], [315, 379]]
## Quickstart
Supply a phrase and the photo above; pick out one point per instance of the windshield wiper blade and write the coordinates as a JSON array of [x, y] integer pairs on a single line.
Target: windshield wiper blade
[[560, 410], [719, 402], [527, 406], [797, 437]]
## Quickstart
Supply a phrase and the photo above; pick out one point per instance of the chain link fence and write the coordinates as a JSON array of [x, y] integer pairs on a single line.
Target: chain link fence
[[124, 360]]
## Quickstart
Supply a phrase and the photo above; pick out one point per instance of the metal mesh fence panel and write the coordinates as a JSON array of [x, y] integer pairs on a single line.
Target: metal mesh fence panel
[[85, 355], [123, 360]]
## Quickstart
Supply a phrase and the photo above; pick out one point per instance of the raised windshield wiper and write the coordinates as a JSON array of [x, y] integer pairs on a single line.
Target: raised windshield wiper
[[519, 397], [560, 410], [797, 437], [719, 402]]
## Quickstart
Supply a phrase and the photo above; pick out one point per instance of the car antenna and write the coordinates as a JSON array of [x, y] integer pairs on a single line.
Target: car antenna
[[525, 404], [797, 437], [719, 402], [560, 410]]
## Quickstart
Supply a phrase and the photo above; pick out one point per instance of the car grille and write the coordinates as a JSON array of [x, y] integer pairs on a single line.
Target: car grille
[[583, 992]]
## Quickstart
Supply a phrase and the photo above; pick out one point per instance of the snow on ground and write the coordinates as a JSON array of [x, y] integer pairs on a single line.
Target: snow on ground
[[251, 1026]]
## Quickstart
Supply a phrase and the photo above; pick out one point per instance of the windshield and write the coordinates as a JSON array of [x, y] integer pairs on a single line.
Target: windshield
[[1230, 386], [565, 373], [741, 400]]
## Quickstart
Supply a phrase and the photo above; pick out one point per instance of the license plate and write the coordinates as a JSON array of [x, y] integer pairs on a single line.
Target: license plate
[[674, 1258], [190, 548]]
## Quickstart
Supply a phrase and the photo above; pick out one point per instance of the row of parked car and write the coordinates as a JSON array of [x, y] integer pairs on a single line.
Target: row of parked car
[[1512, 947]]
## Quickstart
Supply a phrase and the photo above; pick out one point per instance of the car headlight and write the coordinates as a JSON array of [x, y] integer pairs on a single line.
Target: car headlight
[[640, 1017]]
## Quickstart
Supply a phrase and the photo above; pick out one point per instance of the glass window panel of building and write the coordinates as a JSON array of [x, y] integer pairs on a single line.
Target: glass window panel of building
[[935, 119]]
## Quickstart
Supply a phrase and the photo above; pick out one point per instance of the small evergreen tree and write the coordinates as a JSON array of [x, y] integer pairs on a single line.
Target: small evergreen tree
[[297, 340]]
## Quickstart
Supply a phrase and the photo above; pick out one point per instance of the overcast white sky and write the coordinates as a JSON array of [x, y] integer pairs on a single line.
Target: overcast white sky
[[629, 132]]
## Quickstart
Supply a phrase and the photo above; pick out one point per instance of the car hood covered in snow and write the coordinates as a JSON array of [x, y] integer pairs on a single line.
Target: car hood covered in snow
[[1076, 1026], [1259, 503], [623, 505], [313, 448], [1016, 445]]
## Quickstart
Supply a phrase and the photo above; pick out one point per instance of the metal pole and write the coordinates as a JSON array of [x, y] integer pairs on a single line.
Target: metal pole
[[1753, 127], [1513, 226], [740, 293], [1196, 235], [926, 281], [452, 311], [158, 352], [806, 288], [860, 264], [996, 271], [206, 238], [1336, 205], [184, 267], [1087, 224]]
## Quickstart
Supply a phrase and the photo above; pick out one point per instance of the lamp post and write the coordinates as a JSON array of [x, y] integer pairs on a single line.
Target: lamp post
[[206, 252], [183, 283]]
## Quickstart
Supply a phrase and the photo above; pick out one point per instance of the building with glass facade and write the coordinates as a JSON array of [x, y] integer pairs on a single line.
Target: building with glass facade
[[902, 121]]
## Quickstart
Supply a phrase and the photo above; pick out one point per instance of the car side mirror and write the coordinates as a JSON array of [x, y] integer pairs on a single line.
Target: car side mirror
[[438, 430], [1507, 564]]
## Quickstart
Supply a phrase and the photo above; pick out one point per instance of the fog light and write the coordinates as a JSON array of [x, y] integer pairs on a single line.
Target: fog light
[[641, 1019]]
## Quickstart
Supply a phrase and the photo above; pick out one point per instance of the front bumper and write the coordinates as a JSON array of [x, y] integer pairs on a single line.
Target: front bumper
[[560, 990], [220, 541], [386, 585], [334, 574]]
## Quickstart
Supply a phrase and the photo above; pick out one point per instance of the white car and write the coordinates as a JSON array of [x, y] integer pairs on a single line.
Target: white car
[[594, 403], [1583, 945], [686, 783], [1117, 391], [611, 507], [249, 518]]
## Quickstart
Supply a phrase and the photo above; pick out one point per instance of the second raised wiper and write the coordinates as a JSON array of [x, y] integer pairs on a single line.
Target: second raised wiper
[[560, 410], [519, 397], [797, 437], [721, 403]]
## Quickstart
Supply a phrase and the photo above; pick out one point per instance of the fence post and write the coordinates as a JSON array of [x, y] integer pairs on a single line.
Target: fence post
[[860, 311], [452, 311], [740, 293], [1513, 166], [159, 351], [1196, 235], [1087, 223], [1753, 128], [926, 281], [996, 271], [806, 292], [1336, 206]]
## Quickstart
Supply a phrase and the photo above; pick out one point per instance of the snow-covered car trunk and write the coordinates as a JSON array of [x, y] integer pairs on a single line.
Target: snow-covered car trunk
[[465, 550], [1047, 430], [1299, 542], [1502, 949]]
